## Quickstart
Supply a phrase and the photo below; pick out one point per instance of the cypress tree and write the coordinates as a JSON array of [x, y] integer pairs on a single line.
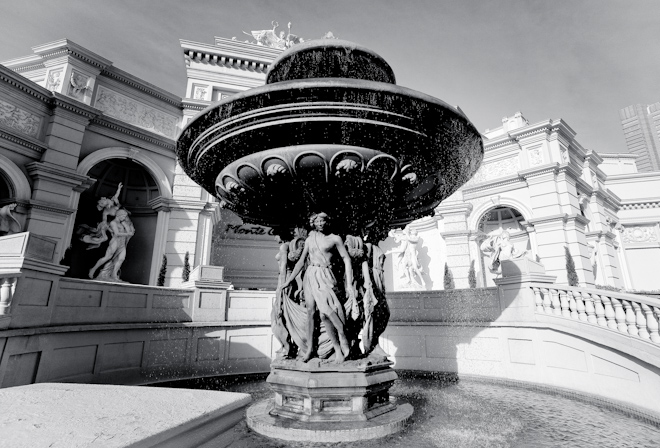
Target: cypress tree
[[472, 276], [163, 271], [186, 267], [570, 269], [449, 279]]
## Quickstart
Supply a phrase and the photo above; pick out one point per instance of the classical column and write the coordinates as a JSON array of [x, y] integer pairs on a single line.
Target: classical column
[[456, 236]]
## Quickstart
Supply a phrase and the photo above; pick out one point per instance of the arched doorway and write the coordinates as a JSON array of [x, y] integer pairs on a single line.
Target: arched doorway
[[139, 187], [495, 221]]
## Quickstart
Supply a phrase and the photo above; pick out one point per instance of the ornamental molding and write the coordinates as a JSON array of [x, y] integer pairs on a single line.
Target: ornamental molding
[[24, 85], [26, 68], [60, 210], [495, 169], [499, 183], [241, 82], [640, 234], [641, 205], [125, 78], [19, 119], [137, 113], [225, 61], [122, 128], [34, 146]]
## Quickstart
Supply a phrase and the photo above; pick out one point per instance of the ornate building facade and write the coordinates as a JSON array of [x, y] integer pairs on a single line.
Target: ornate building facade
[[73, 127]]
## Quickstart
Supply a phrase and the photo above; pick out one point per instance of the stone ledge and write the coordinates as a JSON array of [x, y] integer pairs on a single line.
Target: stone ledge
[[50, 414]]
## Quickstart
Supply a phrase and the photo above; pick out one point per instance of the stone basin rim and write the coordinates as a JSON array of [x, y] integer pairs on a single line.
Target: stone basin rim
[[299, 84]]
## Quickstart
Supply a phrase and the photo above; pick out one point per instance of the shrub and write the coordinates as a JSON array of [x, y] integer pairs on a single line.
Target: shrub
[[472, 276], [163, 271], [186, 267], [573, 279], [449, 279]]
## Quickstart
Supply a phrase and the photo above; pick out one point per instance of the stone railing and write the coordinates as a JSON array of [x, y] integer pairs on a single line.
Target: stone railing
[[629, 314]]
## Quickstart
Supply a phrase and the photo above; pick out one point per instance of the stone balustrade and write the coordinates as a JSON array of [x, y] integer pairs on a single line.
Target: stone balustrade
[[630, 314]]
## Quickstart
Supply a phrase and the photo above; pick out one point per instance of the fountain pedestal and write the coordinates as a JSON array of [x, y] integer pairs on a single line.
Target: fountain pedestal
[[324, 392]]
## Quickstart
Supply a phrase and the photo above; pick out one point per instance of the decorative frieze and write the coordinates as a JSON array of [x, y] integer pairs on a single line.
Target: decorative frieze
[[640, 234], [134, 112], [19, 119], [495, 169]]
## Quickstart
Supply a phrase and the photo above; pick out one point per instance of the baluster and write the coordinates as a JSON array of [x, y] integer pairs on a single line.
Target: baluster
[[609, 312], [589, 307], [563, 300], [651, 323], [573, 305], [619, 315], [6, 290], [630, 318], [582, 314], [640, 321], [546, 301], [600, 310], [538, 300], [554, 298]]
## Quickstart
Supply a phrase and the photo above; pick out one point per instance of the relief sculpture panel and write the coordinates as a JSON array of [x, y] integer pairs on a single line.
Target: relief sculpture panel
[[493, 170], [126, 109], [19, 119], [640, 234]]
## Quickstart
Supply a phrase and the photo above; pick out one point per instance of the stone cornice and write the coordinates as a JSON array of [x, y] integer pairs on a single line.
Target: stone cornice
[[548, 219], [632, 177], [640, 205], [74, 106], [21, 83], [495, 183], [230, 54], [236, 83], [133, 131], [64, 47], [24, 141], [47, 206], [161, 203], [197, 105], [55, 173], [462, 208], [139, 84]]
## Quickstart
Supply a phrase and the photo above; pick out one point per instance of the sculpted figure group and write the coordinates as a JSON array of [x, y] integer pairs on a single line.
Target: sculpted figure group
[[330, 290], [499, 248], [120, 229]]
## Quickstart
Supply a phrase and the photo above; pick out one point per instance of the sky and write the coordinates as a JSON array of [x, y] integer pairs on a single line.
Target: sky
[[581, 61]]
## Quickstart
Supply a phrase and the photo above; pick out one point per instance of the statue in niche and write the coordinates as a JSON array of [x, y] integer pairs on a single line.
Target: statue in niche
[[338, 280], [408, 266], [121, 230], [499, 248], [8, 223], [94, 236]]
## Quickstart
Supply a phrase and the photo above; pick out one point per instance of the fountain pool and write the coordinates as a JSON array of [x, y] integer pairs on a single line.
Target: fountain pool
[[471, 413]]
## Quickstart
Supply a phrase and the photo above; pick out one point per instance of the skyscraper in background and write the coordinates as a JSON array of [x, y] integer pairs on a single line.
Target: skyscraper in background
[[641, 129]]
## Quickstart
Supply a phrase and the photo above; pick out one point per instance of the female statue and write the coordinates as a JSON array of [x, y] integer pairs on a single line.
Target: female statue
[[320, 286], [121, 230]]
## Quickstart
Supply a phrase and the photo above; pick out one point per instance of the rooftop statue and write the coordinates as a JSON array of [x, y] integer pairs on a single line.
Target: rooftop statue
[[8, 223], [499, 248], [270, 38]]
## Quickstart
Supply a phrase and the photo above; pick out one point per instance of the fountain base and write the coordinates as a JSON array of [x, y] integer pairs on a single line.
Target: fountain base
[[324, 402], [261, 421]]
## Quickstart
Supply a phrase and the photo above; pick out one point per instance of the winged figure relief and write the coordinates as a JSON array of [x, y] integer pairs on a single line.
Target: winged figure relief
[[78, 84]]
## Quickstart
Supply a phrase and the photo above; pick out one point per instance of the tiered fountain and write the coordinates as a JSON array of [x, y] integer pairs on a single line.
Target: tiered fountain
[[330, 143]]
